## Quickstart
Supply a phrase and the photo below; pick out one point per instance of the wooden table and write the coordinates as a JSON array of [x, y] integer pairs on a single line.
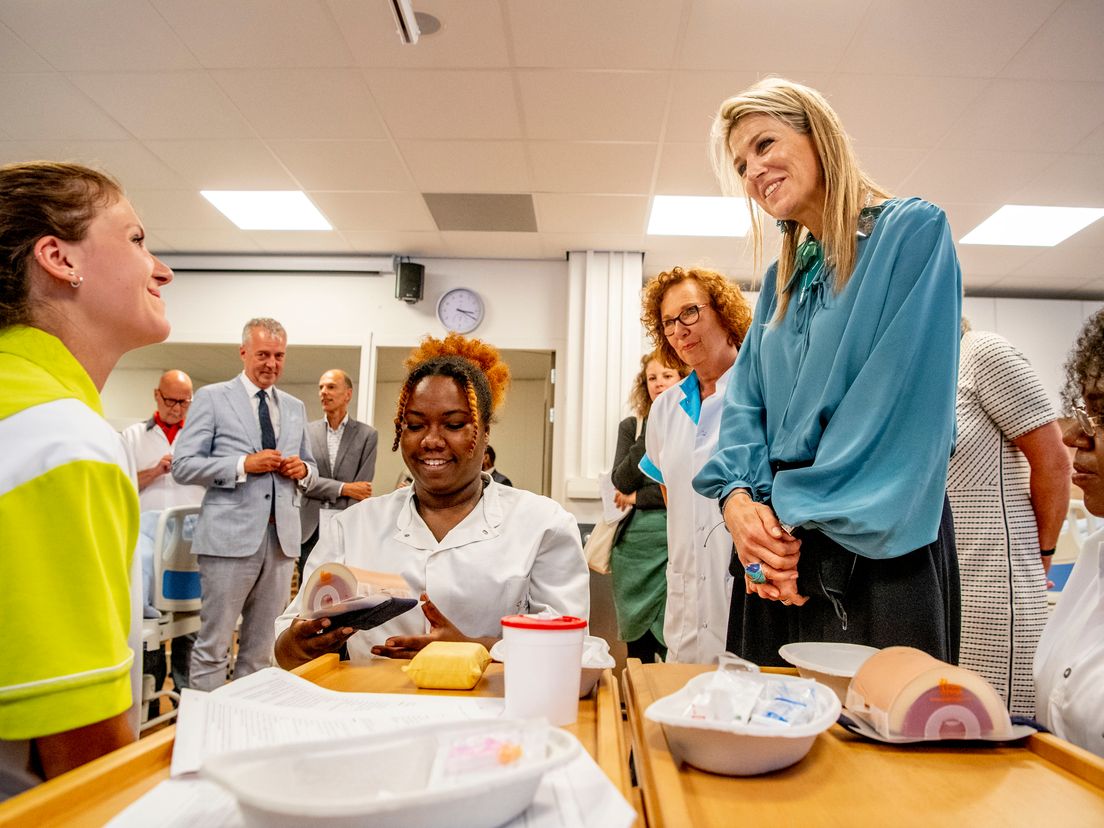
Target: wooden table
[[90, 795], [847, 780]]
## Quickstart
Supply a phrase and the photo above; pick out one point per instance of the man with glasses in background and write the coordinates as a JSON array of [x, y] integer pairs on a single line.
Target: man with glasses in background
[[149, 446]]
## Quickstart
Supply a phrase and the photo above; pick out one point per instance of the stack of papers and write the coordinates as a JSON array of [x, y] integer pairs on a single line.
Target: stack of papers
[[274, 707]]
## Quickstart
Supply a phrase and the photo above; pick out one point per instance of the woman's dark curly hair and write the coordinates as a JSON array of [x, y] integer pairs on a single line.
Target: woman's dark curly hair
[[474, 365], [1085, 365]]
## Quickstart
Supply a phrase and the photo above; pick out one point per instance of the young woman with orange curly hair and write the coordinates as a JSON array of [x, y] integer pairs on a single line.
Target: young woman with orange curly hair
[[478, 549]]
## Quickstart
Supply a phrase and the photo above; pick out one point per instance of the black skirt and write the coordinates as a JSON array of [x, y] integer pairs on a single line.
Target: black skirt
[[913, 600]]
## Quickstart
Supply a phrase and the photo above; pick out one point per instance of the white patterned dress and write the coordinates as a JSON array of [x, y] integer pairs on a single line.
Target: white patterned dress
[[1004, 607]]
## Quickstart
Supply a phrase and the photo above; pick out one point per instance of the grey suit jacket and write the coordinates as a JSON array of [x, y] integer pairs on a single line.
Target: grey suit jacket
[[221, 427], [356, 460]]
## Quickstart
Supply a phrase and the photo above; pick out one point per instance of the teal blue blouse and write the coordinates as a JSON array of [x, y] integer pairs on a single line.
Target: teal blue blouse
[[856, 389]]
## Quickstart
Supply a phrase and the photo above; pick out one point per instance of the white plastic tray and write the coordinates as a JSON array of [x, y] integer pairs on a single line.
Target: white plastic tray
[[379, 780]]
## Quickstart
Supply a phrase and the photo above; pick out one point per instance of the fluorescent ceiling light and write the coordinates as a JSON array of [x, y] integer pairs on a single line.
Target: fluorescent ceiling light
[[1026, 226], [268, 209], [698, 216]]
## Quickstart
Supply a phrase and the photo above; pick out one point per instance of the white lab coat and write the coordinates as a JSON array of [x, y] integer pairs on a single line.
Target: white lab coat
[[1069, 664], [699, 547], [515, 552]]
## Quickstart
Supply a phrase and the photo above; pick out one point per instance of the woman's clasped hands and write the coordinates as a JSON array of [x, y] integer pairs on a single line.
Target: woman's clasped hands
[[760, 539]]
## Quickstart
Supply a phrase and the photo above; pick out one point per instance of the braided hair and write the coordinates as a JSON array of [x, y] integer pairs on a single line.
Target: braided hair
[[474, 365]]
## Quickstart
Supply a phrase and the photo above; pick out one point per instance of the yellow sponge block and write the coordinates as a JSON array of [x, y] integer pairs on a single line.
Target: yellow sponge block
[[448, 665]]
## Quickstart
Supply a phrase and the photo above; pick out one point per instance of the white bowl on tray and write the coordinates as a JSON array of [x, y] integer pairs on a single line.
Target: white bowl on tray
[[738, 749], [830, 663], [383, 780]]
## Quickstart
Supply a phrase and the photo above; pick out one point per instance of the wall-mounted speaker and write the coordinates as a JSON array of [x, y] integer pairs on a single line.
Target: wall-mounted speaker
[[409, 278]]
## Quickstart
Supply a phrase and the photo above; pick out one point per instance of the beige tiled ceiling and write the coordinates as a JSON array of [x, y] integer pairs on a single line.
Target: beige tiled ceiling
[[590, 106]]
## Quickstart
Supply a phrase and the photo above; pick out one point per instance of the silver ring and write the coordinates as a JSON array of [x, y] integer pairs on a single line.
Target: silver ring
[[786, 603]]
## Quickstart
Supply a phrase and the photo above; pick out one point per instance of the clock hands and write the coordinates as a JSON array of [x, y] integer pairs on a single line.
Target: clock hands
[[465, 312]]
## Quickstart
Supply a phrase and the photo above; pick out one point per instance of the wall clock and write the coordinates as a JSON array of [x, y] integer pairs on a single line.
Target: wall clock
[[460, 310]]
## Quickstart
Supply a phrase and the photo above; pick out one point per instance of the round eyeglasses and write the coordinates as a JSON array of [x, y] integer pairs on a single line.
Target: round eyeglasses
[[1088, 424], [688, 316]]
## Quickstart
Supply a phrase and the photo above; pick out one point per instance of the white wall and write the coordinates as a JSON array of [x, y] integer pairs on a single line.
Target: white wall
[[527, 308], [1044, 330], [127, 394]]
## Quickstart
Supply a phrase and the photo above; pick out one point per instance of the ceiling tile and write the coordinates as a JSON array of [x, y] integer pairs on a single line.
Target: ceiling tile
[[900, 112], [1065, 261], [467, 166], [685, 169], [129, 161], [303, 103], [48, 107], [1028, 285], [257, 33], [225, 165], [374, 211], [593, 106], [993, 260], [975, 39], [558, 245], [343, 165], [785, 38], [1094, 143], [475, 245], [1067, 47], [890, 167], [695, 99], [482, 212], [446, 104], [300, 241], [558, 213], [592, 167], [1038, 116], [107, 35], [397, 243], [166, 104], [1070, 181], [369, 31], [166, 211], [582, 34], [17, 56], [155, 243], [729, 256], [971, 175], [230, 240]]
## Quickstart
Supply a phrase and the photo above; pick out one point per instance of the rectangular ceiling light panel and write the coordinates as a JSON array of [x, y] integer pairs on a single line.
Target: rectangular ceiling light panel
[[698, 216], [268, 209], [1023, 225]]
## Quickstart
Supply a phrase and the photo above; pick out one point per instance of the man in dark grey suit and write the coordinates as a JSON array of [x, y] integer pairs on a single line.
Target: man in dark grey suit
[[247, 443], [346, 454]]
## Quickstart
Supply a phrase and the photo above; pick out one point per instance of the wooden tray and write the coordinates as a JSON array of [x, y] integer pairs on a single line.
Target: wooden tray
[[92, 794], [848, 781]]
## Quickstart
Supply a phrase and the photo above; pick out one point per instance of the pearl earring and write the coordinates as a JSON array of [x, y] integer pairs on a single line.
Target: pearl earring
[[74, 279]]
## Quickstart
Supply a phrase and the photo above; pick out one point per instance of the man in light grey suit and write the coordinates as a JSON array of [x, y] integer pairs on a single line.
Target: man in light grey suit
[[247, 443], [345, 451]]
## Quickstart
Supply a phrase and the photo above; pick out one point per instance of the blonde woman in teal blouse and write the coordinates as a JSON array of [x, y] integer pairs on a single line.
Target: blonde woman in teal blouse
[[838, 423]]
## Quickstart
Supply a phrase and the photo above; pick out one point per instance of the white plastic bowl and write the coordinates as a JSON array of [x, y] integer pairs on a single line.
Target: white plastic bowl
[[830, 663], [734, 749], [596, 658], [338, 784]]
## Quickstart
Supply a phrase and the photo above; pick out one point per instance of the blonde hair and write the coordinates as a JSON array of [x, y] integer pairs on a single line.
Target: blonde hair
[[639, 398], [728, 303], [846, 186]]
